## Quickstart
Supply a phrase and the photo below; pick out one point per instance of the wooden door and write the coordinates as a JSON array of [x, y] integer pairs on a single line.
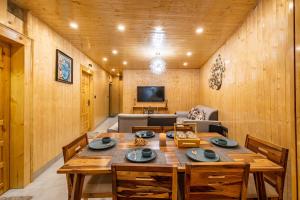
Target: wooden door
[[4, 116], [85, 116]]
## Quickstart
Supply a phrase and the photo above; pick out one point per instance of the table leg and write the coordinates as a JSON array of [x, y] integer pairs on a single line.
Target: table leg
[[77, 186], [260, 185]]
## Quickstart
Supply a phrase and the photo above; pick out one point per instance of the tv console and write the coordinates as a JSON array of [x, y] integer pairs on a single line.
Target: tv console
[[150, 107]]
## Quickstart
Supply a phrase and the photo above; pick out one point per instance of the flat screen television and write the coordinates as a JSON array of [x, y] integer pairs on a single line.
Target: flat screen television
[[150, 93]]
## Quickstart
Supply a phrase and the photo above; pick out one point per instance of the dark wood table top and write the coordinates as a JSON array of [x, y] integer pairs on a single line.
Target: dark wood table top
[[96, 162]]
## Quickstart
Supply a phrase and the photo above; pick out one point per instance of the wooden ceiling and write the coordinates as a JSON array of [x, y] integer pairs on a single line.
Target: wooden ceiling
[[98, 35]]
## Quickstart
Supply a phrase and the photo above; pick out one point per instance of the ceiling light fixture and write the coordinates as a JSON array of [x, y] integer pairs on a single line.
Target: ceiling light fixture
[[113, 69], [189, 53], [115, 52], [158, 28], [121, 28], [104, 59], [73, 25], [157, 65], [199, 30], [185, 64], [124, 62]]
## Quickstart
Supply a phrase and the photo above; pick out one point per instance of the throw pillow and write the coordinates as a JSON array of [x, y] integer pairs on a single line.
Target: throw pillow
[[192, 114], [201, 115], [196, 114]]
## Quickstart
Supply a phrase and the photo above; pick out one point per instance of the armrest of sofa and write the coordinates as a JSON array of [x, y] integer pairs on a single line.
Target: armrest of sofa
[[182, 114], [202, 125]]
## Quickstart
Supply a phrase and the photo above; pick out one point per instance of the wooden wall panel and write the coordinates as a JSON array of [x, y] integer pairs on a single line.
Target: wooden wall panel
[[256, 97], [101, 101], [56, 110], [297, 75], [181, 87], [115, 101]]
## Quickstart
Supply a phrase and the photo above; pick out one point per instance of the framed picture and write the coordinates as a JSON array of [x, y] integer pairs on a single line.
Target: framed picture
[[64, 68]]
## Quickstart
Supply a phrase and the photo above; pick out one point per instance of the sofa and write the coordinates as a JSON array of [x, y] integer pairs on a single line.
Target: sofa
[[211, 118], [127, 121]]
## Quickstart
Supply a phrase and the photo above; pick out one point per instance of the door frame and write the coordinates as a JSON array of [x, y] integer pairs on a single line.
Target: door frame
[[5, 122], [21, 111], [86, 70]]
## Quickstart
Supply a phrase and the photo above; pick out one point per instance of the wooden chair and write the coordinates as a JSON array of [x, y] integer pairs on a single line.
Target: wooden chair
[[171, 128], [133, 181], [156, 129], [274, 182], [94, 186], [212, 181]]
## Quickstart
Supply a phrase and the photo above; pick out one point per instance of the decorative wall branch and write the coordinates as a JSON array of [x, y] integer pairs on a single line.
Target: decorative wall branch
[[217, 74]]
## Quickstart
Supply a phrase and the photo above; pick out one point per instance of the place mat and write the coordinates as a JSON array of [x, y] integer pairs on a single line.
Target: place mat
[[184, 159], [119, 157]]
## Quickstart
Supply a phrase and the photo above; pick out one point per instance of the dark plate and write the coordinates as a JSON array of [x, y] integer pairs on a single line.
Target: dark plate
[[199, 156], [170, 134], [230, 143], [143, 134], [135, 155], [98, 144]]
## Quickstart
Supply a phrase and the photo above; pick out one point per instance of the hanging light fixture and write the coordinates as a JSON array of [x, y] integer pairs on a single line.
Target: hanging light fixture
[[157, 65]]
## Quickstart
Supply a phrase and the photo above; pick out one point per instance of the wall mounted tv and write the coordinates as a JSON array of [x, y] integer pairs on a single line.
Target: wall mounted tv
[[150, 93]]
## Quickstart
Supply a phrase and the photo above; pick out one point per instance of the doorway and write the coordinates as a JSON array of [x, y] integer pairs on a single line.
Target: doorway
[[4, 116], [86, 100]]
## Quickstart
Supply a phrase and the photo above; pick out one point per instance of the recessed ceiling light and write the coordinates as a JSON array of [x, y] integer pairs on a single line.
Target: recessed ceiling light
[[158, 28], [185, 64], [199, 30], [73, 25], [124, 62], [113, 69], [115, 52], [104, 59], [121, 28], [189, 53]]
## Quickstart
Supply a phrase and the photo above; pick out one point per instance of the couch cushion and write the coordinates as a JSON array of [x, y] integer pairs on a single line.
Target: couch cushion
[[209, 112], [122, 115]]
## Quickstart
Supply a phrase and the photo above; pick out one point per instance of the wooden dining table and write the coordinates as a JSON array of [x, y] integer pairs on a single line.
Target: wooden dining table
[[91, 162]]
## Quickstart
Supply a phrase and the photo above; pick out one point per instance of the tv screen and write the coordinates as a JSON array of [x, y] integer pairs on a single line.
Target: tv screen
[[150, 93]]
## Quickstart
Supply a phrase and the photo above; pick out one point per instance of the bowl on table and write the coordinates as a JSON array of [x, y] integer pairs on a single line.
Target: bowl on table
[[146, 152], [106, 140], [208, 153]]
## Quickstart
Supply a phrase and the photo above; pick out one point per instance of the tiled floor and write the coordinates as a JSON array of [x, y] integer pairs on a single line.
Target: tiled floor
[[50, 185]]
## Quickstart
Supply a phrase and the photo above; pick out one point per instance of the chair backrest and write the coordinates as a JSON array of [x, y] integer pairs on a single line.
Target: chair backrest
[[74, 147], [222, 180], [156, 129], [162, 119], [133, 181], [276, 154]]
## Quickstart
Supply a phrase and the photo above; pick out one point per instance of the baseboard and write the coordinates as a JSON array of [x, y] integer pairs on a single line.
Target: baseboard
[[45, 167]]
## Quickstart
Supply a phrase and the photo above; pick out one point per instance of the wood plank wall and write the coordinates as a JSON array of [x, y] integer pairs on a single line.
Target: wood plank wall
[[257, 95], [181, 87], [115, 101], [297, 75], [56, 106]]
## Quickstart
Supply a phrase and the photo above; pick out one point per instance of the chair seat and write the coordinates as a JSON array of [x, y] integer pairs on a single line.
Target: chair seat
[[98, 186], [252, 194]]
